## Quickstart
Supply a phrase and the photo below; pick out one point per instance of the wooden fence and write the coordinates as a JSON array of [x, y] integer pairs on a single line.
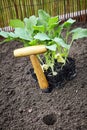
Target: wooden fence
[[11, 9]]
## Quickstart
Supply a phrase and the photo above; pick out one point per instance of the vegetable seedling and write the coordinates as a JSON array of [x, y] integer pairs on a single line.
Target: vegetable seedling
[[48, 31]]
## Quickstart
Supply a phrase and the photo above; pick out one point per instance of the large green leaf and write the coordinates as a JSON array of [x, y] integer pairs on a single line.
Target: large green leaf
[[30, 22], [41, 36], [4, 34], [16, 23], [43, 18], [79, 33], [52, 47], [43, 15], [13, 35], [61, 42], [8, 34], [23, 34]]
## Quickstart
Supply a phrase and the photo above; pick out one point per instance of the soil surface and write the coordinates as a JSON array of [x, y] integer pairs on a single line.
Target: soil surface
[[23, 106]]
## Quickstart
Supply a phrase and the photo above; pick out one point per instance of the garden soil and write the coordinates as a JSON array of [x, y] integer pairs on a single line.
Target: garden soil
[[23, 106]]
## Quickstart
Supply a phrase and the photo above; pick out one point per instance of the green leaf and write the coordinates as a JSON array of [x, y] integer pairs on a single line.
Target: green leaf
[[53, 21], [41, 36], [4, 34], [23, 34], [13, 35], [43, 18], [61, 42], [51, 47], [68, 23], [16, 23], [30, 22], [33, 42], [40, 28], [43, 15], [58, 30], [8, 34], [79, 33]]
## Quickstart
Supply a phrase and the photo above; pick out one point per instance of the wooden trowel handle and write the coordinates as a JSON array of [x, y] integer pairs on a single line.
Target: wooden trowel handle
[[31, 50], [39, 73]]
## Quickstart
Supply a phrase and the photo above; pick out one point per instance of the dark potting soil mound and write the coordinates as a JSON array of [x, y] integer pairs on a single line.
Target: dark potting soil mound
[[23, 106], [64, 73]]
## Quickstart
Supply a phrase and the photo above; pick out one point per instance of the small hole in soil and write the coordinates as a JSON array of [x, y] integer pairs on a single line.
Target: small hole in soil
[[50, 119]]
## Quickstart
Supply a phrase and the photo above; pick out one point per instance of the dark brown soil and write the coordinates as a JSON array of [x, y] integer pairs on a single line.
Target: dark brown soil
[[23, 106]]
